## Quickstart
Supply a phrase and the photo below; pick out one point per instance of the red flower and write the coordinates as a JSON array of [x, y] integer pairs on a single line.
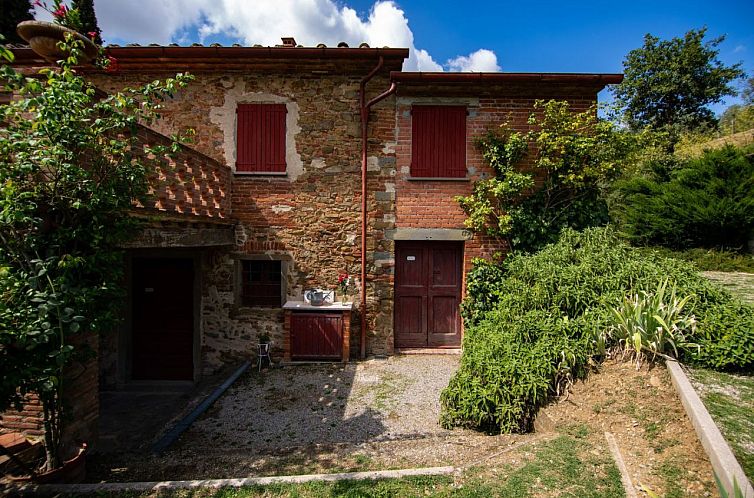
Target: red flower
[[92, 34], [62, 10], [112, 65]]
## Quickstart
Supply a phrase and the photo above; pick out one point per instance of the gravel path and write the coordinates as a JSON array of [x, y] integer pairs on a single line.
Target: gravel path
[[372, 401]]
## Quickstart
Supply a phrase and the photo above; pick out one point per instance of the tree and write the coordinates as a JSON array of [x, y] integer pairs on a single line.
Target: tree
[[88, 19], [737, 118], [71, 166], [670, 83], [13, 12], [576, 153]]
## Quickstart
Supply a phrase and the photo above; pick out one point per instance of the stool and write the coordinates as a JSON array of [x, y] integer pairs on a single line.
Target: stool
[[264, 352]]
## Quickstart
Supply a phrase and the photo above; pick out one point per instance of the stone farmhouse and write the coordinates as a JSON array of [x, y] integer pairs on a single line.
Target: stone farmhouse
[[307, 163]]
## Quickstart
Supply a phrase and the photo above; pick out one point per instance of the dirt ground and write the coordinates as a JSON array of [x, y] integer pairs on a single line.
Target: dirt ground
[[398, 407]]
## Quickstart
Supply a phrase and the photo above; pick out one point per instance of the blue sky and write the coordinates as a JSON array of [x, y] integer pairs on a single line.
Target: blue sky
[[542, 36]]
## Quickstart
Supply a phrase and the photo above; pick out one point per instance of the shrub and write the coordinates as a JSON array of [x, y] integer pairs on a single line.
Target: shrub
[[707, 259], [650, 322], [704, 202], [551, 308]]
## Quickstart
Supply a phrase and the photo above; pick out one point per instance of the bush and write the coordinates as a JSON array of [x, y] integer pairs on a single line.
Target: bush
[[707, 259], [704, 202], [540, 326]]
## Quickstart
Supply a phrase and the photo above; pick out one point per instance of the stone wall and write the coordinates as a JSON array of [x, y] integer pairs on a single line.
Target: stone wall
[[309, 218]]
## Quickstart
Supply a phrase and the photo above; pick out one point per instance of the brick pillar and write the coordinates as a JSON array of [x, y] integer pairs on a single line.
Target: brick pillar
[[346, 336]]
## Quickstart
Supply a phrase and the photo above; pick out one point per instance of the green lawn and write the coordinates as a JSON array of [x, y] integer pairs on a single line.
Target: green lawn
[[730, 400], [574, 463]]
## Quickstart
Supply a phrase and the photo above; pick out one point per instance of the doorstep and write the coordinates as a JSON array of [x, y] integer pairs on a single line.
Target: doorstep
[[410, 351]]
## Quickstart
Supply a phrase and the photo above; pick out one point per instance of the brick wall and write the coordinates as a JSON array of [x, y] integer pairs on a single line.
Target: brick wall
[[186, 183], [81, 399]]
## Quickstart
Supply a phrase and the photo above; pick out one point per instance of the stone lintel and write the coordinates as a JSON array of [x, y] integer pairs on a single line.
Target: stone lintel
[[442, 234], [182, 237]]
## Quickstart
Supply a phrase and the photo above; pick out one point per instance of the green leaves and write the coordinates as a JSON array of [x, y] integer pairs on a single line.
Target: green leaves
[[670, 83], [534, 323], [576, 154]]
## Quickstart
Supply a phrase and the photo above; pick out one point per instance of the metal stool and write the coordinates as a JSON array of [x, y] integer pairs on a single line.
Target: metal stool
[[264, 352]]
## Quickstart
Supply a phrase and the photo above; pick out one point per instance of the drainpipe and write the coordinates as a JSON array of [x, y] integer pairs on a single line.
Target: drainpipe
[[364, 108]]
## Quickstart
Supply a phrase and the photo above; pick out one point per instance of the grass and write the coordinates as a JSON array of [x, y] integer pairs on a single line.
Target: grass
[[708, 259], [739, 284], [730, 401], [572, 464]]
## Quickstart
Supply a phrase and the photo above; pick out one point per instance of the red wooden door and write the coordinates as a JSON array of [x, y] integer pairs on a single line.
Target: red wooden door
[[316, 336], [427, 294], [163, 319]]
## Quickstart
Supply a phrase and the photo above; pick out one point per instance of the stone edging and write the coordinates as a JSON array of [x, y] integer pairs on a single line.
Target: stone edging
[[119, 487], [724, 463]]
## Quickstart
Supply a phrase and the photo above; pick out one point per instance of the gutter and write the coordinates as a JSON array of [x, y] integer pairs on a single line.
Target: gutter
[[492, 78], [364, 107]]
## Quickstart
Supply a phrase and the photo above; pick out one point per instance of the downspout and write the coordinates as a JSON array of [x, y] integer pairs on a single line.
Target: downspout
[[364, 111]]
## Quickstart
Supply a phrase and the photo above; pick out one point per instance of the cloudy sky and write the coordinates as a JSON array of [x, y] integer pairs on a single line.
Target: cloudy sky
[[479, 35]]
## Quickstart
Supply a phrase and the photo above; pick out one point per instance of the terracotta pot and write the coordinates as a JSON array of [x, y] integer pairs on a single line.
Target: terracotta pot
[[72, 471], [43, 37]]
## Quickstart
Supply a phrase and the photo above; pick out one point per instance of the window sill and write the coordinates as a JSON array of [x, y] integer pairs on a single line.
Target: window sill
[[260, 173], [243, 310], [437, 179]]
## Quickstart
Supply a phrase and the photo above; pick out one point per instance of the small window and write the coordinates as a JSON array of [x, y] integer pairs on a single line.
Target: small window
[[260, 138], [438, 141], [261, 283]]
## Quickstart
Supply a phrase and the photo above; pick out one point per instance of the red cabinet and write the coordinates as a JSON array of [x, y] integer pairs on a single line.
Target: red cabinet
[[316, 336]]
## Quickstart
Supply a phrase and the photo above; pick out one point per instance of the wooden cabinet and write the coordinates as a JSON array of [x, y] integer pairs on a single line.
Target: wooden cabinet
[[314, 335]]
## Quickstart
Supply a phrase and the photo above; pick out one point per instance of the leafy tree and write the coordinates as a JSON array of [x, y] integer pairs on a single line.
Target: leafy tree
[[71, 166], [88, 19], [740, 117], [13, 12], [670, 83], [575, 154]]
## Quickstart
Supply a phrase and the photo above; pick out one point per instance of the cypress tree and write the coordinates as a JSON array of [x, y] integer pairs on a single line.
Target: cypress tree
[[88, 19], [13, 12]]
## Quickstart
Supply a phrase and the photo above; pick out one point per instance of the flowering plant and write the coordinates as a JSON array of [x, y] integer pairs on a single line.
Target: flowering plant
[[61, 14], [344, 283]]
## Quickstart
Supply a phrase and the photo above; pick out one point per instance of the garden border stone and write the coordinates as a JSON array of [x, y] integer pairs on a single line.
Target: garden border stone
[[724, 463], [119, 487]]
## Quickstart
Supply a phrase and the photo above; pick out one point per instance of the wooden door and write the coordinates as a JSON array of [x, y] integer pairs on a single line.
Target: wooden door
[[428, 279], [316, 336], [163, 319]]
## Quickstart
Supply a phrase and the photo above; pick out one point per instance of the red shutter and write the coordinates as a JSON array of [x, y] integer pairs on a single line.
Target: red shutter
[[438, 137], [260, 138]]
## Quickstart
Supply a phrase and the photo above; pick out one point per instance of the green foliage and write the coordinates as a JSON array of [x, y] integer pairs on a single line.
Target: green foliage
[[704, 202], [88, 19], [70, 168], [483, 284], [670, 83], [575, 154], [551, 311], [707, 259], [650, 322], [737, 118], [13, 12]]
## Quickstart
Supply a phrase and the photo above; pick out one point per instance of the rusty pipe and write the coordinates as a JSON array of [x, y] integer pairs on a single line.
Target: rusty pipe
[[364, 107]]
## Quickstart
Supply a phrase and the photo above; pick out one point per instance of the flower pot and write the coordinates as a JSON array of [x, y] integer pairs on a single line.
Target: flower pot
[[72, 471], [43, 37]]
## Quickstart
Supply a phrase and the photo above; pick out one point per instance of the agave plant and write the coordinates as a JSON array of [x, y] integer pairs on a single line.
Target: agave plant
[[651, 323]]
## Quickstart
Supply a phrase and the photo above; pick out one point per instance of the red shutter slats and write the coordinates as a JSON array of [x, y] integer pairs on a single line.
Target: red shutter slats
[[438, 137], [260, 136]]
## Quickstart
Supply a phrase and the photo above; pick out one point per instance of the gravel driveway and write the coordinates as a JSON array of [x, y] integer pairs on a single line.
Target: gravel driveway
[[376, 400]]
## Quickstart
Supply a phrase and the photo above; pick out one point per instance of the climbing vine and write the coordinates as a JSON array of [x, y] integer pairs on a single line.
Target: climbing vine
[[546, 179]]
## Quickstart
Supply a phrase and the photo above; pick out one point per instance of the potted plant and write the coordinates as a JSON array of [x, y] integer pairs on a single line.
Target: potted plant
[[45, 37]]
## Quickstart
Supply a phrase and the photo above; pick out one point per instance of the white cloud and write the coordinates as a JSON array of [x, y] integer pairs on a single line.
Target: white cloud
[[481, 61], [265, 21]]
